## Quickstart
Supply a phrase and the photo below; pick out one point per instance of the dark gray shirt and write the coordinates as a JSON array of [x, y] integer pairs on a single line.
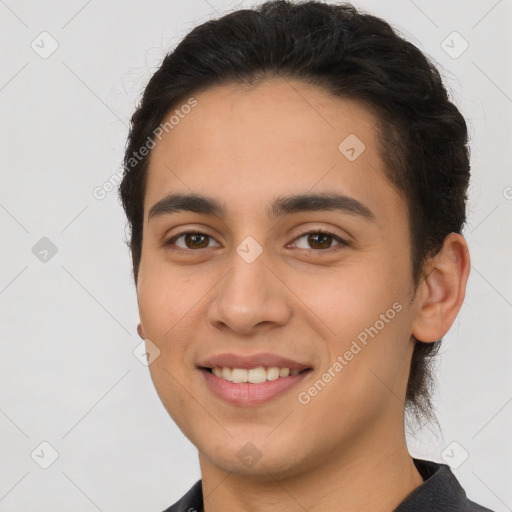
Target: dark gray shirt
[[439, 492]]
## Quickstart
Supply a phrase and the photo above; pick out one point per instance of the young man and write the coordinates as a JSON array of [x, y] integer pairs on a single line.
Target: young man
[[295, 183]]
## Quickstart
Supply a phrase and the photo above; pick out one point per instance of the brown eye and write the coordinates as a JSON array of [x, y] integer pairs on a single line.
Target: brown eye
[[320, 240], [196, 240], [192, 240]]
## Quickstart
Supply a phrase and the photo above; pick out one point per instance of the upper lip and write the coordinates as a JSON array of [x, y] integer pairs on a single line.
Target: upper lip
[[251, 361]]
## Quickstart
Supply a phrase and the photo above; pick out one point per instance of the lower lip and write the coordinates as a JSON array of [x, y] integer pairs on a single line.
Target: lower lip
[[247, 394]]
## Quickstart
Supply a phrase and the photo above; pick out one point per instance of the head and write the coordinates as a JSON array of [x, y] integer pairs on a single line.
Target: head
[[287, 100]]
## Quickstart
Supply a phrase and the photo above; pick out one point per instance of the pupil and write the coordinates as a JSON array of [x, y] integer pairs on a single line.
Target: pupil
[[194, 237], [323, 237]]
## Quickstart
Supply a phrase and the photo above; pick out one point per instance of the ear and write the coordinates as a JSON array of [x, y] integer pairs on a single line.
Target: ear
[[443, 289], [140, 331]]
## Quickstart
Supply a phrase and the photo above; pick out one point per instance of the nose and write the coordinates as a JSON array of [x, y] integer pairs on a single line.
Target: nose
[[249, 299]]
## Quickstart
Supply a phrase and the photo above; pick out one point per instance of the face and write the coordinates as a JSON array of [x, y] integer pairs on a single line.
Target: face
[[321, 287]]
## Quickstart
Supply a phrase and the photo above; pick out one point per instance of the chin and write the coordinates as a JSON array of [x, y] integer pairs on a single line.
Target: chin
[[260, 458]]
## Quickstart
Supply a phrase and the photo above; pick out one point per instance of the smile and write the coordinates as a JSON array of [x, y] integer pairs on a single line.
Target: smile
[[250, 388]]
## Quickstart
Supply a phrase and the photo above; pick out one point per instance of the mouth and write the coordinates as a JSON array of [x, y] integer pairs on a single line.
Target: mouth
[[248, 381]]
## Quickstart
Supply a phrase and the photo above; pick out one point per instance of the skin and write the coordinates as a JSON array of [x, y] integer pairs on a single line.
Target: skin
[[346, 449]]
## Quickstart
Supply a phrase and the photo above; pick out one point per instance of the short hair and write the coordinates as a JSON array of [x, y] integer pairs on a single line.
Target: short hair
[[422, 136]]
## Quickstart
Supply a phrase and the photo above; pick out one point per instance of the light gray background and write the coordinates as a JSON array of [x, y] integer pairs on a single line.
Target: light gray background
[[68, 375]]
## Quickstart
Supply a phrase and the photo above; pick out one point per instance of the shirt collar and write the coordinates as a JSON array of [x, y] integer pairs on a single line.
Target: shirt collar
[[440, 491]]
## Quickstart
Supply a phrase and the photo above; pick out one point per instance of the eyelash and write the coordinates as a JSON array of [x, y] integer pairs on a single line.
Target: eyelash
[[171, 240]]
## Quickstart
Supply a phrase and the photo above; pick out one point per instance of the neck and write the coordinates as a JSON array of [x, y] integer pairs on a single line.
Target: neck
[[376, 473]]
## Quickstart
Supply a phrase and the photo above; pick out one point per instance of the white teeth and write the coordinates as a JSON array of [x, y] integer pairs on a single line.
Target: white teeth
[[257, 375], [284, 372], [273, 373], [226, 373], [239, 375], [254, 375]]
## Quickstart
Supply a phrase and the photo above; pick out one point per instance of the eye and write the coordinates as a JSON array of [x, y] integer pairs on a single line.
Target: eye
[[321, 240], [192, 240]]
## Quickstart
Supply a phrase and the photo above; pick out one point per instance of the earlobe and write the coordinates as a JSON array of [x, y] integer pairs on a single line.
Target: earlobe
[[140, 331], [442, 290]]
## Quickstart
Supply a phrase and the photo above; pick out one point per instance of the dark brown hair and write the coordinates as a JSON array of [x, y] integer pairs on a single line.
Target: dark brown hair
[[351, 54]]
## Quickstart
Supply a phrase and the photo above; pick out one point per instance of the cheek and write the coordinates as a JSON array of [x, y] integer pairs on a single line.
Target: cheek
[[165, 298], [353, 297], [366, 313], [361, 380], [167, 308]]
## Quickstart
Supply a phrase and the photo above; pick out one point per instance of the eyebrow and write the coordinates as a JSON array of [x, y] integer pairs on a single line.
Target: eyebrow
[[283, 205]]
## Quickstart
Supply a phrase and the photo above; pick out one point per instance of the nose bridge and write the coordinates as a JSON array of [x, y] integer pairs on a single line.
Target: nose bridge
[[249, 294]]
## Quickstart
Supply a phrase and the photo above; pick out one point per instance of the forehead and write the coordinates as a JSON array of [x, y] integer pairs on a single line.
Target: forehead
[[244, 144]]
